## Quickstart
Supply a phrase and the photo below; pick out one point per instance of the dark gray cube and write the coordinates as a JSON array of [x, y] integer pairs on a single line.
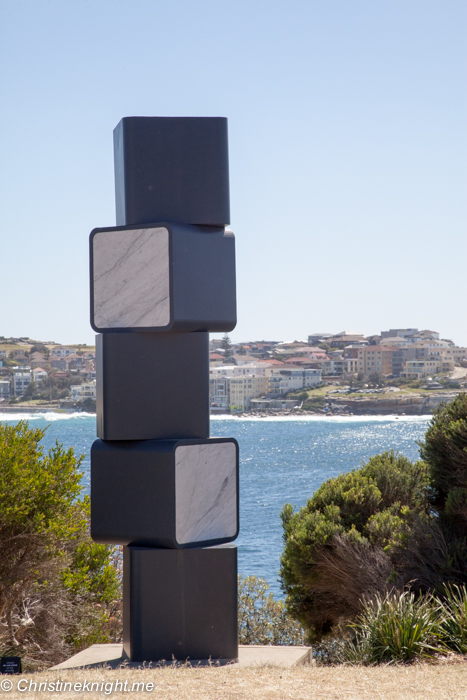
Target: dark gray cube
[[165, 493], [180, 603], [152, 386], [163, 277], [172, 169]]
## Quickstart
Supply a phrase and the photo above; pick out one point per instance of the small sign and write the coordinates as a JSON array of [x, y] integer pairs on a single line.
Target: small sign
[[10, 664]]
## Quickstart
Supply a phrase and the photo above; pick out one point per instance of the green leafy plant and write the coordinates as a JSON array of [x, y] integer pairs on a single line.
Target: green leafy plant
[[58, 589], [390, 526], [444, 451], [348, 541], [397, 627], [454, 624], [261, 618]]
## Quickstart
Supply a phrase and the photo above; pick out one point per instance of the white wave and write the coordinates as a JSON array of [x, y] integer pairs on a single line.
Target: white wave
[[49, 416], [52, 416], [327, 419]]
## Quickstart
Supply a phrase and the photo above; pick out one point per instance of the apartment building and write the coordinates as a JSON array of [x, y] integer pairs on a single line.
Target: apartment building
[[400, 356], [336, 367], [39, 374], [259, 369], [375, 358], [406, 333], [21, 378], [58, 363], [5, 389], [346, 338], [282, 381], [450, 353], [316, 338], [245, 388], [84, 391], [219, 394], [417, 369]]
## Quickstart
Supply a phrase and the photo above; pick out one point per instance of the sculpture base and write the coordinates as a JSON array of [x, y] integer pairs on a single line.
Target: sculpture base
[[111, 655]]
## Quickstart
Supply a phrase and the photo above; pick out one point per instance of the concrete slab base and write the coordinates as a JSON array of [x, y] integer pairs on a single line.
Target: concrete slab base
[[248, 655]]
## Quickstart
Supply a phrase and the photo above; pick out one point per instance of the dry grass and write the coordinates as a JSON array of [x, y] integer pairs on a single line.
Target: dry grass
[[419, 682]]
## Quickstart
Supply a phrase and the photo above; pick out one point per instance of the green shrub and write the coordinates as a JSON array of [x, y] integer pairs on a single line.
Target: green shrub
[[59, 590], [444, 450], [261, 618], [314, 403], [389, 526], [349, 540]]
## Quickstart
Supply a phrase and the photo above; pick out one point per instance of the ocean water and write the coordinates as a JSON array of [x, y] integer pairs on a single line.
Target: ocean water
[[282, 460]]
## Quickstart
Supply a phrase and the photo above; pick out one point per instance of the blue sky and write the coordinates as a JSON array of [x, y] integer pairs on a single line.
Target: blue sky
[[348, 153]]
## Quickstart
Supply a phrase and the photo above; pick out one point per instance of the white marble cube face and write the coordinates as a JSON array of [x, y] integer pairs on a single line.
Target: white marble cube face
[[131, 281], [205, 492]]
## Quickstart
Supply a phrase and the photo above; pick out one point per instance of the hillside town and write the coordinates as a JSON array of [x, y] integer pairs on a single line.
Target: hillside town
[[46, 372], [261, 376], [271, 375]]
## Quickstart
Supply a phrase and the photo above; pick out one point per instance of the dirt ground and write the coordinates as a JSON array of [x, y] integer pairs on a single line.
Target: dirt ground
[[419, 682]]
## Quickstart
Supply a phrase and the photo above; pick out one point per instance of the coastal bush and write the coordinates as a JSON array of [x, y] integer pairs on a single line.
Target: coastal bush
[[444, 450], [88, 404], [392, 526], [348, 541], [314, 403], [261, 618], [59, 591]]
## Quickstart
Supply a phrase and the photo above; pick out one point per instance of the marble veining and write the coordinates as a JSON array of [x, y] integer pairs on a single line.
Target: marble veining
[[131, 278], [205, 492]]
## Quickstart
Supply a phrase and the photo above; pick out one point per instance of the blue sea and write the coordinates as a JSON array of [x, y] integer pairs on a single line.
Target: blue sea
[[282, 460]]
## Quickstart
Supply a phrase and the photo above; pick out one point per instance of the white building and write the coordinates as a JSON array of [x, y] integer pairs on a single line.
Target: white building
[[21, 378], [39, 374], [5, 389], [282, 381], [87, 390], [258, 369]]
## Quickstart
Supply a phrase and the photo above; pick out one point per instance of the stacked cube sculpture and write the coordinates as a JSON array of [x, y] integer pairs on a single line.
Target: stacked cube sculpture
[[161, 280]]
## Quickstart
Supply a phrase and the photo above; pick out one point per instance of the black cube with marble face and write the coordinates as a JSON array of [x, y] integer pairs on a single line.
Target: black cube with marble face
[[172, 169], [163, 277], [180, 604], [165, 493], [152, 386]]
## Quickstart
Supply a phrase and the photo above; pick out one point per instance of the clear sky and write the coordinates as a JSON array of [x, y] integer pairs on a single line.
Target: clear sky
[[348, 153]]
